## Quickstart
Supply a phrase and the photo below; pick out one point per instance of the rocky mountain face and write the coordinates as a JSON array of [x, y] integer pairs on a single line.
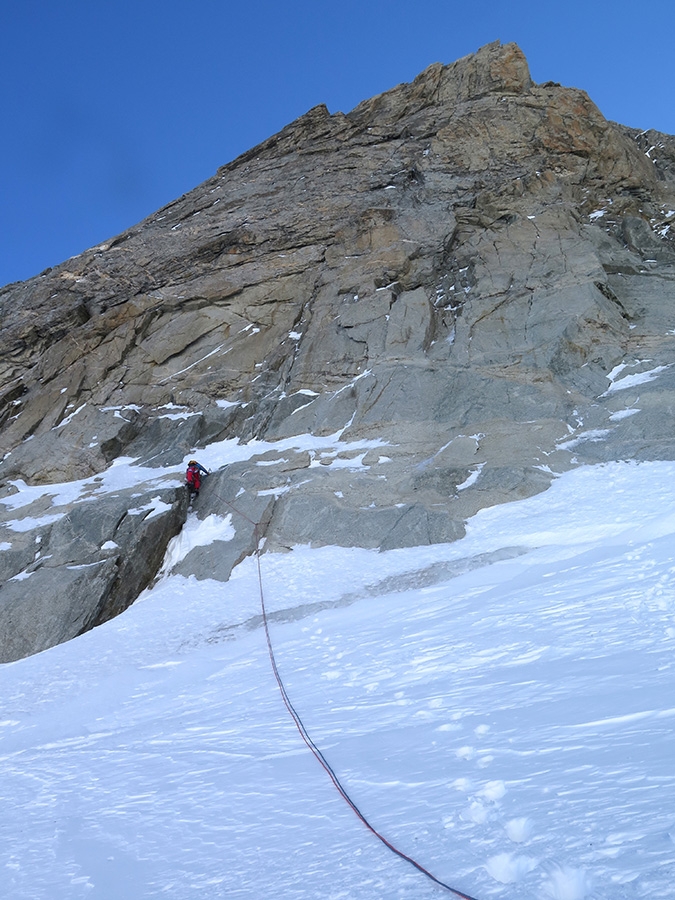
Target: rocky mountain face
[[461, 287]]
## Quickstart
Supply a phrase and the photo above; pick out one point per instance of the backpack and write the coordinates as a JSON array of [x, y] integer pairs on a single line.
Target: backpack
[[192, 477]]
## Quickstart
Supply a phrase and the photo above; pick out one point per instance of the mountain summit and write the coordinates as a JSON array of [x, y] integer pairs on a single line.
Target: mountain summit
[[461, 288]]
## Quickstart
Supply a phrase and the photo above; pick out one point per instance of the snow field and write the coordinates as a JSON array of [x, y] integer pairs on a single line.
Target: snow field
[[510, 726]]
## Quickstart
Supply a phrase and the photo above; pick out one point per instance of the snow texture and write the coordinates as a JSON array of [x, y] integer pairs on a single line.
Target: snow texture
[[500, 708]]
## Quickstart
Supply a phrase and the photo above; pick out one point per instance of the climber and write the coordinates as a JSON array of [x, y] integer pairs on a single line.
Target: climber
[[193, 477]]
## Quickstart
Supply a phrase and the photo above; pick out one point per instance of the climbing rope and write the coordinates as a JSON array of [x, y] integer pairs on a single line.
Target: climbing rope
[[300, 725]]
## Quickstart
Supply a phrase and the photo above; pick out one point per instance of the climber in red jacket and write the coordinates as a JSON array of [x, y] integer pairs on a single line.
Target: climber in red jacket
[[193, 477]]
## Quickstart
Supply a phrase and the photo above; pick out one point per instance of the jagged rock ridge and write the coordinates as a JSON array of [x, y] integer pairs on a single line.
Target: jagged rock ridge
[[453, 268]]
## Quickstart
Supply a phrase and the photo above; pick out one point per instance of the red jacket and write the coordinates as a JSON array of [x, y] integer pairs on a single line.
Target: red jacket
[[193, 477]]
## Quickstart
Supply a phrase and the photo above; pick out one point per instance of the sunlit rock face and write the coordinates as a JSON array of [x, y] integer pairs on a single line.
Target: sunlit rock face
[[468, 282]]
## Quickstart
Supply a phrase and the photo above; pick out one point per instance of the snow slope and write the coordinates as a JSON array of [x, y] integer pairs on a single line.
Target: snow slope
[[501, 708]]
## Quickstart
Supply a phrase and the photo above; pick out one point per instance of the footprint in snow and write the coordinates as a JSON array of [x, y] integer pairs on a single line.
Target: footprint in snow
[[519, 830], [460, 784], [493, 790], [485, 761], [476, 813], [507, 868], [567, 884]]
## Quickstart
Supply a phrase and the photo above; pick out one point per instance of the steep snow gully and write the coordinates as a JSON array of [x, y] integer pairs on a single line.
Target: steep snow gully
[[500, 708]]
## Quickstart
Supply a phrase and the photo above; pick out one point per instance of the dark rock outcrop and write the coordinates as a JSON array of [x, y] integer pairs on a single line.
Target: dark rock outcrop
[[78, 564], [457, 268]]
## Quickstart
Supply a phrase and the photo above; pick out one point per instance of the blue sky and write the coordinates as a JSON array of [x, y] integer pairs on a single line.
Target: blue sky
[[110, 110]]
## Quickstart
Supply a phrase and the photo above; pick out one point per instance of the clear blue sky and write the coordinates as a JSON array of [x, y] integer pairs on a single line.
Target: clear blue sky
[[112, 109]]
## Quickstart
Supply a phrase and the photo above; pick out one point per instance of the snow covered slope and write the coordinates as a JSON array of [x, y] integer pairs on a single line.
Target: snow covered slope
[[501, 708]]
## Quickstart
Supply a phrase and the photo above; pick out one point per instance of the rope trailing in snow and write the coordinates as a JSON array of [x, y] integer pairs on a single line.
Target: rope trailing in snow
[[304, 734]]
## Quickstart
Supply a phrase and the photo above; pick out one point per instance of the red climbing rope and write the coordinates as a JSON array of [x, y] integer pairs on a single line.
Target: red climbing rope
[[307, 737]]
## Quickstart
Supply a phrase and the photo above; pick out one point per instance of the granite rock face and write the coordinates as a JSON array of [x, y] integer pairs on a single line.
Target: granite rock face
[[472, 269], [72, 566]]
